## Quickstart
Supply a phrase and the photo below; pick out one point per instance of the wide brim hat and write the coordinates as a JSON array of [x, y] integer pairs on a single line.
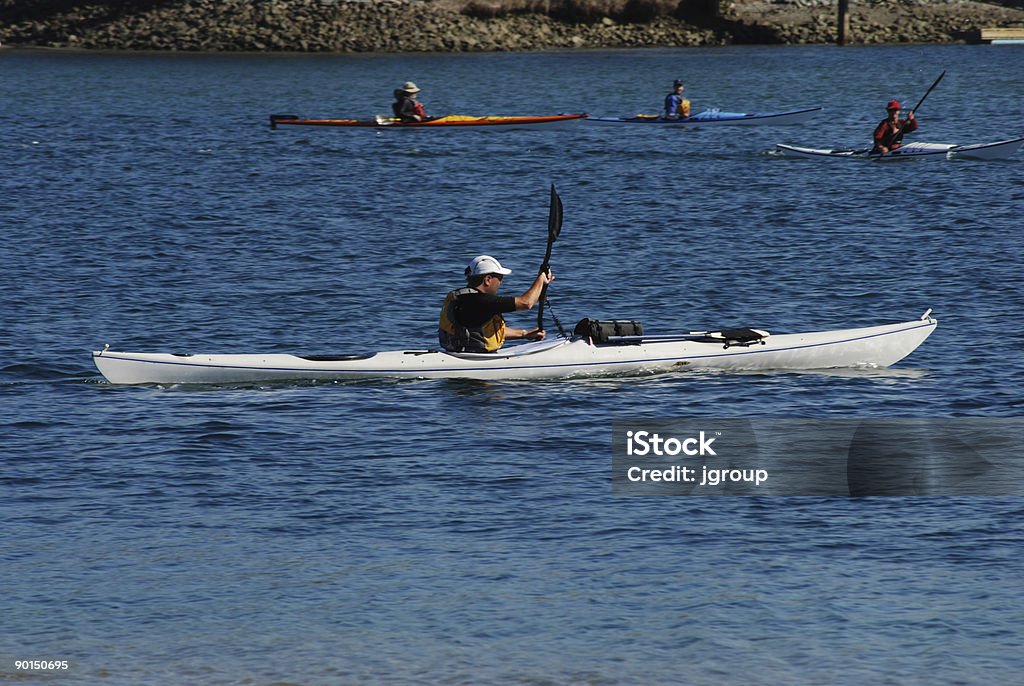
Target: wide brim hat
[[410, 87]]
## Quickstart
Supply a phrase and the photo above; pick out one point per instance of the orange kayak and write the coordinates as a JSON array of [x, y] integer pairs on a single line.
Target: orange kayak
[[450, 120]]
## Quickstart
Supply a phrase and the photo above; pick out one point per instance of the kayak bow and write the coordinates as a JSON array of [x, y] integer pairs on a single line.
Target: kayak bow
[[876, 346]]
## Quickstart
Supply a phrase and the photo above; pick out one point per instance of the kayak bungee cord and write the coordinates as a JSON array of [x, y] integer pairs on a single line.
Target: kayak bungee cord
[[554, 317]]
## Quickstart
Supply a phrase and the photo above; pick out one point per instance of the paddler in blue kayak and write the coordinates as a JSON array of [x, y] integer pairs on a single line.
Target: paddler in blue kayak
[[676, 104], [406, 107], [471, 318], [889, 132]]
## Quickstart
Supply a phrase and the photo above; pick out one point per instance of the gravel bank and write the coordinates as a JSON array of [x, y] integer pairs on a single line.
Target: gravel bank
[[425, 26]]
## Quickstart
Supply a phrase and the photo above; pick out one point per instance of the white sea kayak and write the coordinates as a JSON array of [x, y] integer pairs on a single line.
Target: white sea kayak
[[915, 151], [876, 346], [715, 117]]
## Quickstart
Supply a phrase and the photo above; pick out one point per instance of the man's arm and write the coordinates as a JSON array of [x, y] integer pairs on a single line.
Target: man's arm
[[880, 131], [533, 334], [527, 300]]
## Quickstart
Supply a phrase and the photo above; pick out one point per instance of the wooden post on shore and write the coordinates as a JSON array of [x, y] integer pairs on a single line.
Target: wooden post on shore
[[843, 22]]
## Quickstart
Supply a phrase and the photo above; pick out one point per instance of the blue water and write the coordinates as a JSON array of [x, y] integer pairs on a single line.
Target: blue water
[[465, 533]]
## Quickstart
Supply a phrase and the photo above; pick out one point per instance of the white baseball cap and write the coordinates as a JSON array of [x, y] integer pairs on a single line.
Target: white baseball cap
[[485, 264]]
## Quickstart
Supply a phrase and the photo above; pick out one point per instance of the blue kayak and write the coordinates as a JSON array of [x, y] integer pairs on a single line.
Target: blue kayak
[[715, 117]]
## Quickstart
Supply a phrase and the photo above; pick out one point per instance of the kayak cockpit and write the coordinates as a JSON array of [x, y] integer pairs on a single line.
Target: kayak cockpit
[[513, 351]]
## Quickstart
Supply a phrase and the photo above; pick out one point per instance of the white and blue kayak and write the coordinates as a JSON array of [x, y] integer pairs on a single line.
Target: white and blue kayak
[[999, 150], [715, 117], [576, 356]]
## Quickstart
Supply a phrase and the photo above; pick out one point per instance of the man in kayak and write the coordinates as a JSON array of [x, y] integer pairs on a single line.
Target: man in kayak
[[676, 104], [889, 133], [406, 107], [471, 318]]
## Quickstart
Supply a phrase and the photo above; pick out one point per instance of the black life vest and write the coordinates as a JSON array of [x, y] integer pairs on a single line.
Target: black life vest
[[455, 336]]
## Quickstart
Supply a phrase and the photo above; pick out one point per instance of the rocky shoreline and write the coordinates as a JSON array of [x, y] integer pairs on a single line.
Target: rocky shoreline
[[432, 26]]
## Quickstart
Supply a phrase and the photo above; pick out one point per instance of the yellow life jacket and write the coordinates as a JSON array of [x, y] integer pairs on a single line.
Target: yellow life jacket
[[456, 337], [684, 108]]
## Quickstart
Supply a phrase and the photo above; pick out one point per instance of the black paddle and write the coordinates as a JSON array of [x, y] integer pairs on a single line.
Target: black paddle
[[899, 137], [554, 228]]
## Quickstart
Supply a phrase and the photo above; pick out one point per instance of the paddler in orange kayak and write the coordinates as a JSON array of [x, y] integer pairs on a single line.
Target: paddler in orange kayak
[[406, 107]]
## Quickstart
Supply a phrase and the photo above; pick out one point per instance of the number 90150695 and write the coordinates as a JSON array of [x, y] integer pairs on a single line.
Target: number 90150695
[[41, 665]]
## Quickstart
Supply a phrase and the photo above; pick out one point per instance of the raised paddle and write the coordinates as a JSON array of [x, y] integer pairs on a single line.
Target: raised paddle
[[554, 228], [899, 136]]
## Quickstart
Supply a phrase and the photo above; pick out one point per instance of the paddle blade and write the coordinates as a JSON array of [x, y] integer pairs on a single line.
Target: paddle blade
[[554, 216], [554, 228]]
